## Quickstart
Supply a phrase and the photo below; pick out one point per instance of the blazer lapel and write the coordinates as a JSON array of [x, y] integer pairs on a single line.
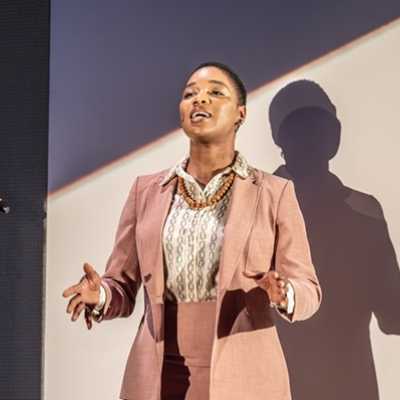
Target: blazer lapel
[[158, 204], [241, 214]]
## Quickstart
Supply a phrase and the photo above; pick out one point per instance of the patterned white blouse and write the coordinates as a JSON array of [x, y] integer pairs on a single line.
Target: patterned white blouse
[[192, 238]]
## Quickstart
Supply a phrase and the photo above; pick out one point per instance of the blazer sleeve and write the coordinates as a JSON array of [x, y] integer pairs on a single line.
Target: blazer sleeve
[[293, 256], [121, 279]]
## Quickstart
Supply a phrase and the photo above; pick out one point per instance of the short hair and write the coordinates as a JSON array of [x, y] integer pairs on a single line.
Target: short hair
[[239, 85]]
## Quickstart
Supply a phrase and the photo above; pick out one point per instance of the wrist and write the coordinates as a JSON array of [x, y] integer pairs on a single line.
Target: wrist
[[102, 299]]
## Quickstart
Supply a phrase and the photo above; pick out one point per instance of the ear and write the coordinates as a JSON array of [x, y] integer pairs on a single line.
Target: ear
[[242, 116], [242, 113]]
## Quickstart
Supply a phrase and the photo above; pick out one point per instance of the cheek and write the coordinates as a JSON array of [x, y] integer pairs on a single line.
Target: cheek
[[182, 111], [227, 116]]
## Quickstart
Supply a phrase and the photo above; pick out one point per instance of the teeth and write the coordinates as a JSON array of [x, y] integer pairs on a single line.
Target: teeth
[[201, 114]]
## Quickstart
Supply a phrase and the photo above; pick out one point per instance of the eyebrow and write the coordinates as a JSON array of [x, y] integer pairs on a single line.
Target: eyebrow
[[211, 81]]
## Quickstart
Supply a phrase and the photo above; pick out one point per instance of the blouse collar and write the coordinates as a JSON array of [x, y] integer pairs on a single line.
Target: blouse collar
[[240, 166]]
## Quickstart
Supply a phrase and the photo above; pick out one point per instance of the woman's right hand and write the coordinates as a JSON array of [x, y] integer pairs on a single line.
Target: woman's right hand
[[86, 293]]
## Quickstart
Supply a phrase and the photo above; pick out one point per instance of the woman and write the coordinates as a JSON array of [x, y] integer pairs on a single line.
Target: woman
[[217, 245]]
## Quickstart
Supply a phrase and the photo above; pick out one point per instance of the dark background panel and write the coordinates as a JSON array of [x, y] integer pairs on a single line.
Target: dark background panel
[[24, 48], [117, 69]]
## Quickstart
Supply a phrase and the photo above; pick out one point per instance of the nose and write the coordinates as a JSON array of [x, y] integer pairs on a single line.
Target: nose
[[201, 98]]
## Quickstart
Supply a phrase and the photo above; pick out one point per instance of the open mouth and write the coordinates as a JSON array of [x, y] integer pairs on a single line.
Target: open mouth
[[196, 116]]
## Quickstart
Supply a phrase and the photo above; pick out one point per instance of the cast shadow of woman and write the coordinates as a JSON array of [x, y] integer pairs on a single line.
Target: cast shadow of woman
[[330, 356]]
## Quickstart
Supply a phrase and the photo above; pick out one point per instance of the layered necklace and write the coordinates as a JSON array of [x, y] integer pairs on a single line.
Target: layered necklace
[[215, 198]]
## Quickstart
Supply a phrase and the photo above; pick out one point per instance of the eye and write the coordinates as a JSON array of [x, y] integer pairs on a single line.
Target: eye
[[187, 95], [217, 92]]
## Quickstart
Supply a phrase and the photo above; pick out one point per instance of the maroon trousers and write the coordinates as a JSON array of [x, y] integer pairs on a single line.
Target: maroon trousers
[[189, 329]]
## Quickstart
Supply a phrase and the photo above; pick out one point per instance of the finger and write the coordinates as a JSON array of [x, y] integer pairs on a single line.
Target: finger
[[88, 318], [264, 283], [87, 268], [77, 311], [277, 285], [273, 286], [255, 275], [277, 293], [280, 289], [71, 290], [73, 303], [278, 297], [89, 271], [92, 276], [273, 275], [282, 283], [283, 303]]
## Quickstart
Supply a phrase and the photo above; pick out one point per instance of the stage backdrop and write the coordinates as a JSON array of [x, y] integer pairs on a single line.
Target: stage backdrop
[[116, 78]]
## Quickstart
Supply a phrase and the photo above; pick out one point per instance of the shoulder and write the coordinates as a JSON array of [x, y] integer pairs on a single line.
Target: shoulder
[[270, 182], [272, 187], [364, 203], [155, 177], [142, 182]]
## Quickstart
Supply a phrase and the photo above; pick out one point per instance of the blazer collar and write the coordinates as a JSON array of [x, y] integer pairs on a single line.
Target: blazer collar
[[240, 166]]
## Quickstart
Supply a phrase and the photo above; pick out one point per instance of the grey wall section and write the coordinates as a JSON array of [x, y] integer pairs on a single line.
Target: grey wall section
[[117, 69], [24, 45]]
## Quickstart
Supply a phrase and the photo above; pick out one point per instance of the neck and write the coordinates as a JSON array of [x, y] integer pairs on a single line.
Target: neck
[[207, 160]]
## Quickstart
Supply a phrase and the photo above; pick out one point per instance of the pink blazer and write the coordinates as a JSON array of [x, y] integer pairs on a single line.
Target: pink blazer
[[265, 229]]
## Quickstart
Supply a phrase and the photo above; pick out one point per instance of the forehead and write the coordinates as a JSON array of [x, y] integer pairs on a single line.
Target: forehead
[[203, 75]]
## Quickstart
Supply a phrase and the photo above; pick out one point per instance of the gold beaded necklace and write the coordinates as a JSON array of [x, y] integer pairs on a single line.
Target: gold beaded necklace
[[217, 196]]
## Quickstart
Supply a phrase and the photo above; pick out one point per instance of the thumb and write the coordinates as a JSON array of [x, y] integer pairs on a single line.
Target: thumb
[[92, 276]]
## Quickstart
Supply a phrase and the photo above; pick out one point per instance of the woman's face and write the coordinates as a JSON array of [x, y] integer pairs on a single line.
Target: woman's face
[[209, 106]]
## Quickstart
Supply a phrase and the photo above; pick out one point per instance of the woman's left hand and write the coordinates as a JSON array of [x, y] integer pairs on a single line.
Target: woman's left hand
[[275, 285]]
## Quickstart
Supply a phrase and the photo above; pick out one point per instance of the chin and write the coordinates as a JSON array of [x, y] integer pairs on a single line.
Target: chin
[[199, 134]]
